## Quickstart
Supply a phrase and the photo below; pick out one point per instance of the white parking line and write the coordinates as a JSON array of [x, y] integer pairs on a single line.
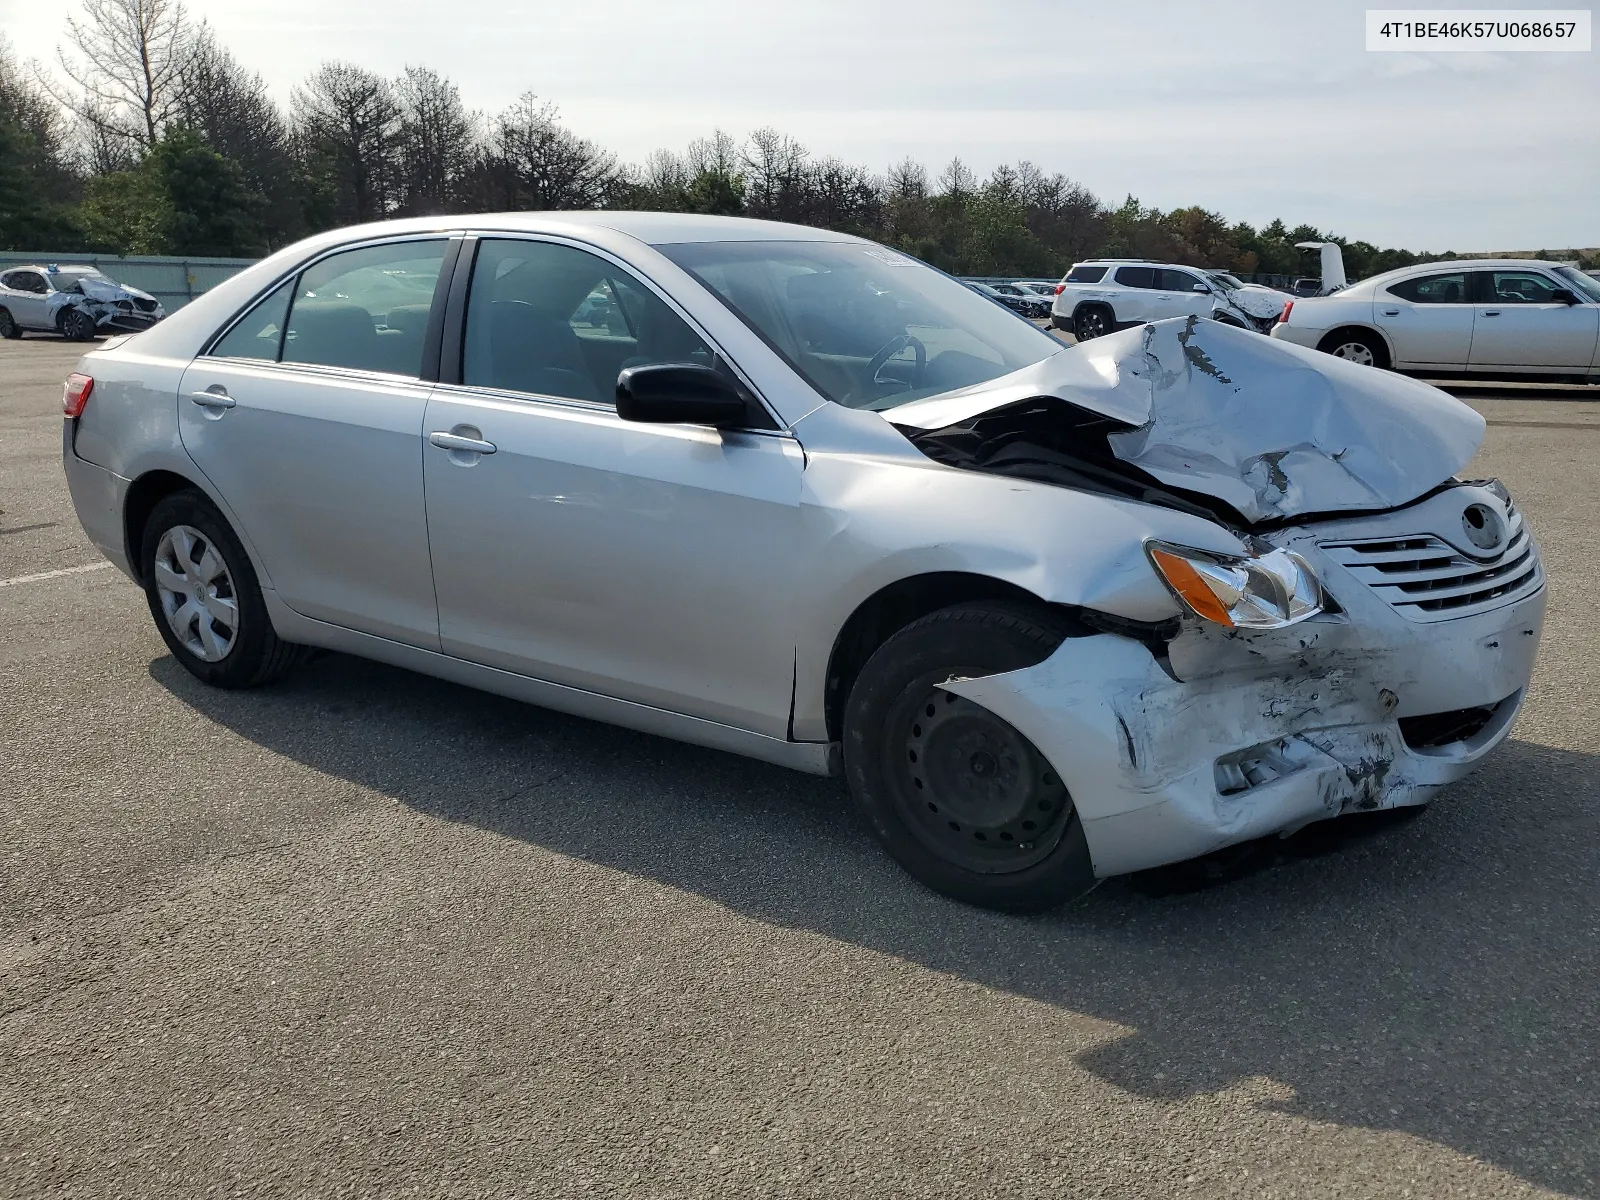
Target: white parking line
[[5, 583]]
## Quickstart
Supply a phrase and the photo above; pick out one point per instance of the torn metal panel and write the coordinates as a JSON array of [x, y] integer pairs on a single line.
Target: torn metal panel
[[110, 305], [1238, 737], [1271, 430]]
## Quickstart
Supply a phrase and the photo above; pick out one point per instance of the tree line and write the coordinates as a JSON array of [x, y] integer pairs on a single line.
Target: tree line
[[146, 135]]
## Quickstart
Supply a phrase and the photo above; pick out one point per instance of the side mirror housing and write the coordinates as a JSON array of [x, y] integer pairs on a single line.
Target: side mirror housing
[[1200, 287], [679, 394], [1565, 296]]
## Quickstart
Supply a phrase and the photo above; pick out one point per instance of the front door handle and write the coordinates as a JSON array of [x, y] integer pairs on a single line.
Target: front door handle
[[455, 441], [215, 396], [1493, 312]]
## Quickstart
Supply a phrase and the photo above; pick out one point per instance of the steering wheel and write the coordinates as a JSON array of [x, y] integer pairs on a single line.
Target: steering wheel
[[892, 347]]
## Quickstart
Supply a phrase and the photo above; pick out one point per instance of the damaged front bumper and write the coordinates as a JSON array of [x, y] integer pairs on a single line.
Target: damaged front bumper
[[1236, 735]]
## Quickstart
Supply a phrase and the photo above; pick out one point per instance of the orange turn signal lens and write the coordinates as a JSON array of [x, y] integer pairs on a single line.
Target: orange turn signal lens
[[1186, 581]]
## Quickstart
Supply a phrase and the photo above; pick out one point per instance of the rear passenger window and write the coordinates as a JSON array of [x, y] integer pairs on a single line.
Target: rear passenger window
[[1433, 289], [260, 333], [553, 320], [365, 309], [1086, 275], [1137, 277]]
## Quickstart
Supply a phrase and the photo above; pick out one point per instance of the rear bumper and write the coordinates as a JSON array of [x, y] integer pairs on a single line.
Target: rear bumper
[[98, 496], [1299, 335]]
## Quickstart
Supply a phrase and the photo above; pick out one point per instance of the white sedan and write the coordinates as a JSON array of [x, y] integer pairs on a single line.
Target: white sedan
[[1479, 317]]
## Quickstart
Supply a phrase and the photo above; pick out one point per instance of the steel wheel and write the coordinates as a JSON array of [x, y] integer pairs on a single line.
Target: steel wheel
[[196, 593], [1355, 351], [974, 790]]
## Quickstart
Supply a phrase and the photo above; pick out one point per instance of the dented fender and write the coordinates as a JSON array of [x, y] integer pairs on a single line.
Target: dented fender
[[1237, 737]]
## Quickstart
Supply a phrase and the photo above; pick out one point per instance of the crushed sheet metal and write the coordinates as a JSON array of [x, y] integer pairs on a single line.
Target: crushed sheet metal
[[1272, 429]]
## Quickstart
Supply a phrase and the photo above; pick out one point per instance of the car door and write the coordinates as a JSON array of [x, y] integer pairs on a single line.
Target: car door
[[1429, 319], [1132, 300], [306, 416], [1176, 295], [26, 300], [1518, 322], [635, 561]]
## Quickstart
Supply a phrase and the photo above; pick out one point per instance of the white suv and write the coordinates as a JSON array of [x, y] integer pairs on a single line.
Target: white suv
[[1106, 294]]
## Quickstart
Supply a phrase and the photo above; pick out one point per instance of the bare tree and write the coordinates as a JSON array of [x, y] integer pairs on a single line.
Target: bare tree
[[775, 175], [437, 143], [534, 162], [346, 124], [126, 72]]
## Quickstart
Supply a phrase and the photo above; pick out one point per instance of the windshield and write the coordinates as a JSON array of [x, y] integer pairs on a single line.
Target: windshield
[[1584, 285], [1227, 282], [866, 326]]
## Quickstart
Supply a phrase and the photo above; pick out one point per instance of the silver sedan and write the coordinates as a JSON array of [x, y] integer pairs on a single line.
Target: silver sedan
[[1054, 613]]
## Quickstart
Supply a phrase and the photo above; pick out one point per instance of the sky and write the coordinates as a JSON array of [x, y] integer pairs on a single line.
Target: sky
[[1256, 110]]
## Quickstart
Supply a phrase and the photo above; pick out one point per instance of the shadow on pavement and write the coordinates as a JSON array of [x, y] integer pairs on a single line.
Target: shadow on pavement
[[1440, 979]]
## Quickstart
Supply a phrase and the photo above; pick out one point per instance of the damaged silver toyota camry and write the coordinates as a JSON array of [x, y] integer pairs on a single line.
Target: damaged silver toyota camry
[[1056, 614]]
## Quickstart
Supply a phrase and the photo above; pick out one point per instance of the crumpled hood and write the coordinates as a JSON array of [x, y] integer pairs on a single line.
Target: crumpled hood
[[1258, 301], [1271, 429], [106, 289]]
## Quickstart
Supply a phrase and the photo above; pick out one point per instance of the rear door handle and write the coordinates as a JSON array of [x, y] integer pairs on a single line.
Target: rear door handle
[[454, 441], [215, 397], [1391, 312], [1493, 312]]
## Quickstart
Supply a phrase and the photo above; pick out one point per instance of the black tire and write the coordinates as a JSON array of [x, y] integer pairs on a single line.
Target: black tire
[[9, 329], [1359, 346], [1092, 321], [257, 655], [77, 325], [992, 783]]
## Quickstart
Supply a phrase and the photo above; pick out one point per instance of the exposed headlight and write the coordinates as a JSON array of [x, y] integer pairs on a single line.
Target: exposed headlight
[[1266, 591]]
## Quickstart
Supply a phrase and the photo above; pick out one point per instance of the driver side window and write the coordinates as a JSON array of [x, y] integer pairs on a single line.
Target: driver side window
[[553, 320]]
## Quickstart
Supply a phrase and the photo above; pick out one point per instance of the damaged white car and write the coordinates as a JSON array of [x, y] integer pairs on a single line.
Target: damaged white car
[[75, 302], [1055, 614]]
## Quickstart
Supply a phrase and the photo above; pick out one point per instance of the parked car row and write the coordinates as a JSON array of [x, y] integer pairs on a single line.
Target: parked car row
[[75, 302], [1102, 295], [1018, 297]]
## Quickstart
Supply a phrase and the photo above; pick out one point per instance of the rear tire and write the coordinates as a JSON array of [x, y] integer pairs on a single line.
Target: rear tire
[[1092, 321], [9, 329], [958, 797], [1358, 346], [204, 596]]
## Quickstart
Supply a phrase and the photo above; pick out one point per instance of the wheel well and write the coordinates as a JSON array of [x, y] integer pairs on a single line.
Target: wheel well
[[144, 493], [1100, 304], [1365, 332], [890, 610]]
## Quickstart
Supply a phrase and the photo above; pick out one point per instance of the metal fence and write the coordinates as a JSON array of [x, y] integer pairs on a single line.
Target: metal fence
[[173, 281]]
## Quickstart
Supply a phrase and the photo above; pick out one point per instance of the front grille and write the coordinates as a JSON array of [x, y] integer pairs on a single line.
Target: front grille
[[1427, 579], [144, 305]]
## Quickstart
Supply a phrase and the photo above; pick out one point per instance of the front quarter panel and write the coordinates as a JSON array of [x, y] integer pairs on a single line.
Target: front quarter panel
[[877, 511]]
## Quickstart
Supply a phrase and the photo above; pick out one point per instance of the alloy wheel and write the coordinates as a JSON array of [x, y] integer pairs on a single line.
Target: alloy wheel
[[196, 592]]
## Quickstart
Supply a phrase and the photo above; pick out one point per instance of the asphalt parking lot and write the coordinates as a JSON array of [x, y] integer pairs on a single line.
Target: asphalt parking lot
[[364, 933]]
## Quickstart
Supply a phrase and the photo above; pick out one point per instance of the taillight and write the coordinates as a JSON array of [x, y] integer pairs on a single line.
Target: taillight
[[76, 394], [1060, 287], [1283, 317]]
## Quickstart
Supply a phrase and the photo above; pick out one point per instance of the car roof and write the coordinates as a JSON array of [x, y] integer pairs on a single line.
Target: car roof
[[1456, 264], [652, 228]]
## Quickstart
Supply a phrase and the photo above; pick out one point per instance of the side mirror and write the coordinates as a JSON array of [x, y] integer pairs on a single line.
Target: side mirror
[[1565, 296], [1200, 287], [679, 394]]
